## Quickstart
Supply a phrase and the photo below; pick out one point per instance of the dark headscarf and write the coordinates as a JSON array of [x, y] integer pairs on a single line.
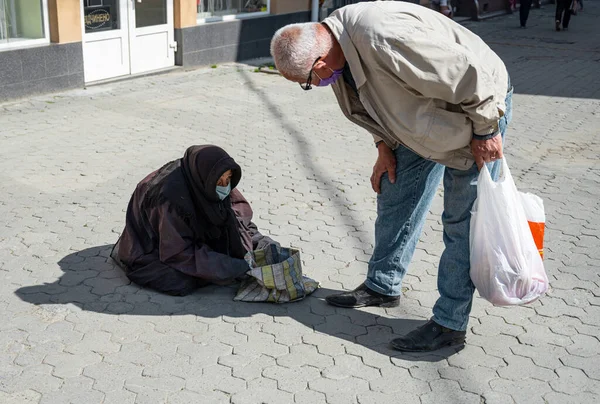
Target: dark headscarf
[[202, 166], [195, 176]]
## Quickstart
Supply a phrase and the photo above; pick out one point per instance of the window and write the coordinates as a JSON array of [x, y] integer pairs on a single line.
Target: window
[[23, 22], [224, 10], [100, 15]]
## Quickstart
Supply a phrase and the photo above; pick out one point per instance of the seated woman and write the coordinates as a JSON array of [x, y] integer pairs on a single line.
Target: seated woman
[[187, 225]]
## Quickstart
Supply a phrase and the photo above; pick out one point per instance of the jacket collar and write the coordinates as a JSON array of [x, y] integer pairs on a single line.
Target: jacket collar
[[340, 33]]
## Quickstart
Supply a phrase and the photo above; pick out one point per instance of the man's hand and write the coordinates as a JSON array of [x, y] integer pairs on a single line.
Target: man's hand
[[386, 162], [486, 151]]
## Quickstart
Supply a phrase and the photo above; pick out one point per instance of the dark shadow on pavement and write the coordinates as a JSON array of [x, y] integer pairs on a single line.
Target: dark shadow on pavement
[[93, 282]]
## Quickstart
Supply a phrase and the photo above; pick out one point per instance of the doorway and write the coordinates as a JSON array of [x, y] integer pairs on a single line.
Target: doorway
[[122, 37]]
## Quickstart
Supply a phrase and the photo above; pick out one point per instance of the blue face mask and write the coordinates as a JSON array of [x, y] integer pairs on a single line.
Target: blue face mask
[[223, 192], [330, 80]]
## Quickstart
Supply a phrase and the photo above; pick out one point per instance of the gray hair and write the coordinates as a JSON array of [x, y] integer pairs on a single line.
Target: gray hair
[[295, 48]]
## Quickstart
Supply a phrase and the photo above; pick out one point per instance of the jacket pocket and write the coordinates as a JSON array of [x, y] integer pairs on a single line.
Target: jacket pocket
[[449, 131]]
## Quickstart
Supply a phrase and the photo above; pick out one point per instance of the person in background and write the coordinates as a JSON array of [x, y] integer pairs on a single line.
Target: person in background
[[563, 14], [524, 12], [442, 6], [188, 226]]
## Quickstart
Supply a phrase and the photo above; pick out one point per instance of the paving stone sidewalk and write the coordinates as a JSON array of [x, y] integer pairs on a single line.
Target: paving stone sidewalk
[[74, 330]]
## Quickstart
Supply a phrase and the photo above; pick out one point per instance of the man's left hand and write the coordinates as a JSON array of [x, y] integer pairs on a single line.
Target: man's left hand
[[485, 151]]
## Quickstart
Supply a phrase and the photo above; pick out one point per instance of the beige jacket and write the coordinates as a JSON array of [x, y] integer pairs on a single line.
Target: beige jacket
[[423, 80]]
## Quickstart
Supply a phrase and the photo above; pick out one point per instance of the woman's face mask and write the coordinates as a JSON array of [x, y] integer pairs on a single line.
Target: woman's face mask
[[222, 189], [223, 192]]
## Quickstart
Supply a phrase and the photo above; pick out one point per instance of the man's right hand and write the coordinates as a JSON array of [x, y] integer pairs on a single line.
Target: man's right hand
[[386, 162]]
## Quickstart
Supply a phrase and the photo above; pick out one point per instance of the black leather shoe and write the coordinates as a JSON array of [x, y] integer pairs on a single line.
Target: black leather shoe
[[362, 297], [429, 337]]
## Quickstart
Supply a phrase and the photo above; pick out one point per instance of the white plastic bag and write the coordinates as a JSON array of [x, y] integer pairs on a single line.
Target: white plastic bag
[[506, 266]]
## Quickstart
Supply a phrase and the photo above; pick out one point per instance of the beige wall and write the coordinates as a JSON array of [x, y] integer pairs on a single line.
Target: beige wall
[[185, 13], [65, 20], [289, 6]]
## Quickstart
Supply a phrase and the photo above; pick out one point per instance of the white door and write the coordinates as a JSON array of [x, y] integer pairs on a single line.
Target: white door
[[151, 32], [122, 37], [105, 39]]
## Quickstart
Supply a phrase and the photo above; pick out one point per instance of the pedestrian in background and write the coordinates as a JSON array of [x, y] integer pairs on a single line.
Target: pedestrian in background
[[563, 14], [524, 12], [442, 6]]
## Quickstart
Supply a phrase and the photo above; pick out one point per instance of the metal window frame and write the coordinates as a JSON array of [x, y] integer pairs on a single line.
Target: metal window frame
[[233, 17]]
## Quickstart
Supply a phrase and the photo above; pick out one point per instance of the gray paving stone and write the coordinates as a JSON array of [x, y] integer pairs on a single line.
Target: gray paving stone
[[492, 325], [111, 377], [262, 390], [340, 324], [68, 365], [338, 391], [584, 345], [74, 390], [204, 354], [520, 368], [21, 397], [218, 377], [537, 334], [579, 398], [377, 359], [347, 366], [309, 396], [325, 345], [589, 365], [547, 356], [474, 356], [522, 391], [303, 355], [186, 396], [497, 398], [398, 380], [496, 345], [36, 378], [573, 381], [154, 387], [249, 368], [98, 342], [448, 391], [137, 353], [473, 380], [293, 380]]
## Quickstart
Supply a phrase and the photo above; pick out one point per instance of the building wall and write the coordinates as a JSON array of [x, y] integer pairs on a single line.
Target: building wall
[[230, 41], [64, 20], [289, 6], [38, 70]]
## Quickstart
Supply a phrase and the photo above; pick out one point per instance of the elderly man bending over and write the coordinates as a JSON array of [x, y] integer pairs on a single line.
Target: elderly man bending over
[[437, 101]]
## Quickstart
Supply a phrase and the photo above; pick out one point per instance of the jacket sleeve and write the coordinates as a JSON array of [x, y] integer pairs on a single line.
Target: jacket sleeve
[[260, 241], [440, 68], [178, 250]]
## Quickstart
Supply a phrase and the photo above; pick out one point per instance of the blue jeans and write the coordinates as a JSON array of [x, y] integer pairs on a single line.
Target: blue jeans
[[401, 211]]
